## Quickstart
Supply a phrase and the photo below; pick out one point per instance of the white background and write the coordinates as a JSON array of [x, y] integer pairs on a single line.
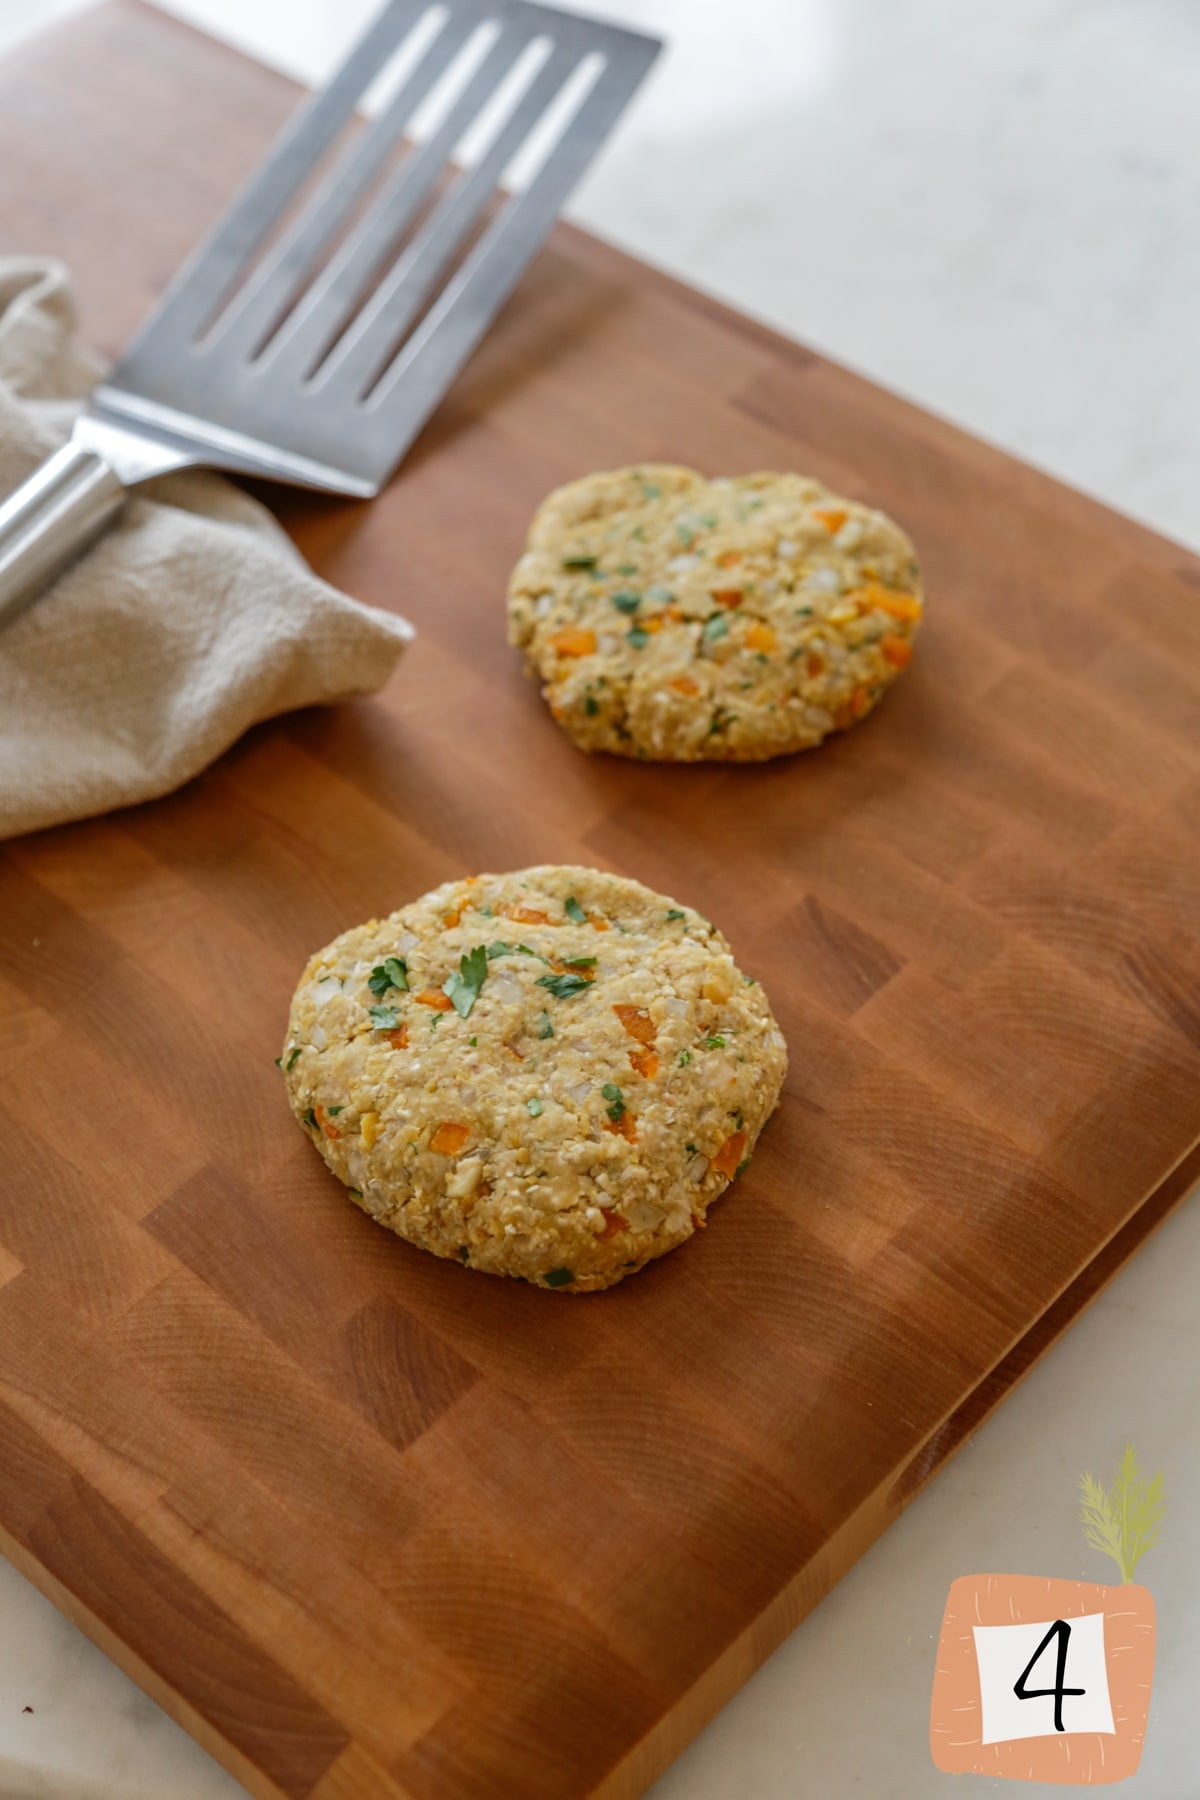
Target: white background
[[994, 206]]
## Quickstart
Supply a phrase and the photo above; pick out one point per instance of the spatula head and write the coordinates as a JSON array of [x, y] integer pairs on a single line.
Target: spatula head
[[312, 334]]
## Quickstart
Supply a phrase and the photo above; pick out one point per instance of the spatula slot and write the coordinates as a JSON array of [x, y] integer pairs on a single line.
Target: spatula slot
[[363, 243]]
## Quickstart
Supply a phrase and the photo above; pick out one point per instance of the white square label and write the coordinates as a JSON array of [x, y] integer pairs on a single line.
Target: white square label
[[1062, 1654]]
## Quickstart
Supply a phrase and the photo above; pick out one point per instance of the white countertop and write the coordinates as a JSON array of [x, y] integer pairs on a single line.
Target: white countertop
[[994, 209]]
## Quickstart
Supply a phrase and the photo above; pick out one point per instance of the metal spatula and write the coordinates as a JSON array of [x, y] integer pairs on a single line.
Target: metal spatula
[[312, 334]]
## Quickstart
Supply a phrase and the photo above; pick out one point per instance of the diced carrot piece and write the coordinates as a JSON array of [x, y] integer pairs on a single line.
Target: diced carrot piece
[[331, 1131], [637, 1023], [613, 1222], [684, 684], [901, 606], [761, 637], [728, 1159], [896, 650], [524, 915], [727, 558], [596, 922], [572, 641], [645, 1062], [854, 709], [433, 997], [623, 1127], [398, 1038], [730, 597], [452, 918], [815, 664], [449, 1138], [831, 517], [672, 612]]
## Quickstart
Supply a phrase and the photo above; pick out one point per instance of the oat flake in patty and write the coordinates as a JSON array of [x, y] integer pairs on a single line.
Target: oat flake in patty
[[680, 619], [548, 1074]]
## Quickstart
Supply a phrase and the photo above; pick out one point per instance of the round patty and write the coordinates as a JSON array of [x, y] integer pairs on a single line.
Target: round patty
[[681, 619], [549, 1074]]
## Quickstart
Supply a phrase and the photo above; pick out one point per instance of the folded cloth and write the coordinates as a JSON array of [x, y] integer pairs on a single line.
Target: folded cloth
[[190, 619]]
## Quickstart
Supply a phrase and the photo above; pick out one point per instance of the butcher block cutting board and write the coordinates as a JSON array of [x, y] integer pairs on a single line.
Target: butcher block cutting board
[[370, 1525]]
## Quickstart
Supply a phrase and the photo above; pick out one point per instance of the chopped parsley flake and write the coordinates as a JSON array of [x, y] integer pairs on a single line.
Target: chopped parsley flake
[[579, 962], [626, 601], [675, 913], [684, 533], [464, 1253], [391, 973], [590, 707], [660, 595], [638, 637], [616, 1101], [279, 1062], [690, 1149], [685, 1057], [292, 1055], [464, 984], [333, 1111], [310, 1119], [651, 491], [574, 911], [500, 948], [383, 1018], [558, 1278], [715, 626], [563, 986], [545, 1026], [714, 1043], [534, 1107], [579, 562], [472, 1041], [742, 1167]]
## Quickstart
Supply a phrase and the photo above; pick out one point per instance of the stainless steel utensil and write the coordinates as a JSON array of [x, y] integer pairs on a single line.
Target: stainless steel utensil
[[311, 335]]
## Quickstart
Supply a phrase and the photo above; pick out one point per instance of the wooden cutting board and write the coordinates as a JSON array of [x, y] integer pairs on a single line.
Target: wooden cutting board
[[369, 1525]]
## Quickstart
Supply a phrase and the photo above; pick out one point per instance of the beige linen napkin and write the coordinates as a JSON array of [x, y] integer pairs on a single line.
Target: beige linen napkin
[[191, 619]]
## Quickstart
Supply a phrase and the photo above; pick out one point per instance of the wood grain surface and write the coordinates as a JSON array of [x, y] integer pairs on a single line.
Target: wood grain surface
[[368, 1524]]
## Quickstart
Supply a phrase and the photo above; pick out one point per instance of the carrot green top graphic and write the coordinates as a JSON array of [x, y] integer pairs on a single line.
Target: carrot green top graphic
[[1122, 1521]]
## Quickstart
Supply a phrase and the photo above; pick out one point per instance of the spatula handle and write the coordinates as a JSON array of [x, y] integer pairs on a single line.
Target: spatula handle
[[50, 519]]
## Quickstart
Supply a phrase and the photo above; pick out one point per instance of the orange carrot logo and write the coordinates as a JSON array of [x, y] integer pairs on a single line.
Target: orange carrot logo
[[1045, 1680]]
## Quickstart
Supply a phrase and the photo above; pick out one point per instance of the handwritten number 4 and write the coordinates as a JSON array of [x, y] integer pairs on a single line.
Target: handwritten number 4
[[1061, 1632]]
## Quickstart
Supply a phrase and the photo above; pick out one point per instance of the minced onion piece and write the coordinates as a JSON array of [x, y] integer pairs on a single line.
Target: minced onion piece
[[822, 581]]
